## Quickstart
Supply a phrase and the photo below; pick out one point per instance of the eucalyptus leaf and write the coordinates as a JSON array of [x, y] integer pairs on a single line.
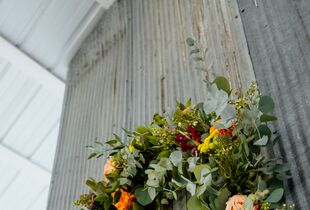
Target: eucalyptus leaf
[[174, 195], [107, 203], [275, 140], [198, 58], [136, 206], [275, 196], [190, 41], [203, 176], [192, 163], [191, 188], [93, 154], [101, 197], [194, 51], [266, 104], [222, 84], [283, 176], [266, 118], [142, 130], [91, 183], [228, 115], [282, 167], [152, 192], [111, 142], [264, 130], [143, 196], [217, 100], [99, 155], [262, 141], [176, 158], [195, 203], [119, 147], [124, 181], [198, 169], [179, 184], [117, 137], [261, 184], [220, 201]]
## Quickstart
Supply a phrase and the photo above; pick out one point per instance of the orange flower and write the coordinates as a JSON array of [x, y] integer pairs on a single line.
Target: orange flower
[[228, 131], [212, 128], [109, 168], [236, 202], [126, 200]]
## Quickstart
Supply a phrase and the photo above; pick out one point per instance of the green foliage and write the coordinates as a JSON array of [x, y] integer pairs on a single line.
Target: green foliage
[[142, 196], [275, 196], [222, 84], [190, 41], [196, 53], [220, 201], [195, 203], [266, 118], [164, 158], [266, 104]]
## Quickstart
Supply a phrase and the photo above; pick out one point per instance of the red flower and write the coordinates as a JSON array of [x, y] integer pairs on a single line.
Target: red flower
[[181, 138], [186, 147], [193, 132]]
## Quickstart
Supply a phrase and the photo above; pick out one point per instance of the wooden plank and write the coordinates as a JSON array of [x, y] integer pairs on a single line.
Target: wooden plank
[[134, 64], [24, 63], [278, 37]]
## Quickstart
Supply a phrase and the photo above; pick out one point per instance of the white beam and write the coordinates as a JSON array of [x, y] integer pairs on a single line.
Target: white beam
[[23, 62], [86, 26]]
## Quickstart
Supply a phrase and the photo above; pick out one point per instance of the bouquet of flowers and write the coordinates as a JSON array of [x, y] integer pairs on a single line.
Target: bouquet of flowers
[[216, 151]]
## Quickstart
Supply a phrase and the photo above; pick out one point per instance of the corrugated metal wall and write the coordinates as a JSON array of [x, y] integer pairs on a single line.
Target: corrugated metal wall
[[278, 34], [137, 63]]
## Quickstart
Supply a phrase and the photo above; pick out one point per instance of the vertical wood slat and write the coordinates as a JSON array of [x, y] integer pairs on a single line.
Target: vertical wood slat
[[136, 63]]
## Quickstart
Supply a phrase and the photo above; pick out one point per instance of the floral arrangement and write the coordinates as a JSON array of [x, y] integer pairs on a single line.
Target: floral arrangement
[[214, 150]]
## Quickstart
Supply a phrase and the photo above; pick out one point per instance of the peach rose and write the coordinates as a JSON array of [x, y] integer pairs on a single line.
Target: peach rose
[[236, 202], [109, 168]]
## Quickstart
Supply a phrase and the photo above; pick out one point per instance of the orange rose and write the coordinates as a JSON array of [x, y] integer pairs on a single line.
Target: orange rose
[[126, 200], [109, 168], [236, 202]]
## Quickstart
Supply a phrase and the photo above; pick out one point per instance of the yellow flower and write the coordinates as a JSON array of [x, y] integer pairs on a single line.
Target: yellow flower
[[186, 110], [207, 143], [126, 200], [131, 148]]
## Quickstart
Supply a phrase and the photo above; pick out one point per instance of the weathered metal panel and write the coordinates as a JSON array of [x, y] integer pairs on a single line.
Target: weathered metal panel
[[277, 32], [134, 64]]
